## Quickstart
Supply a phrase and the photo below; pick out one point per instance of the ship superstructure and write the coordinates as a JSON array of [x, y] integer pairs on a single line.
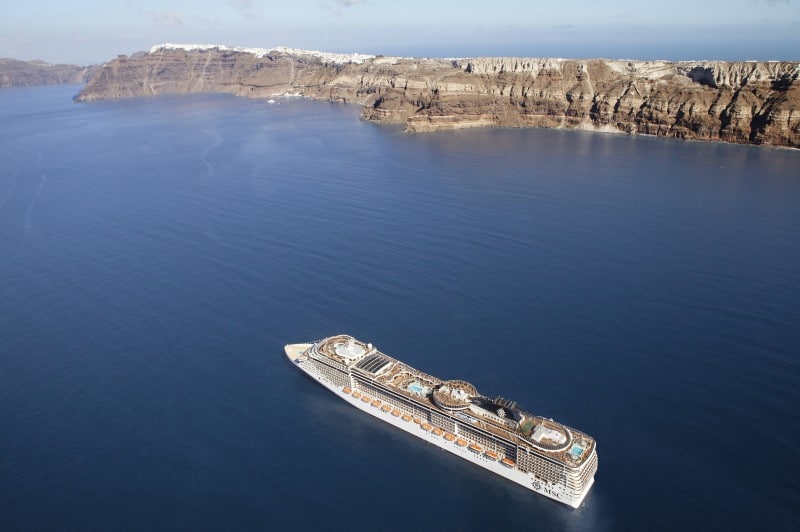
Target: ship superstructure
[[495, 433]]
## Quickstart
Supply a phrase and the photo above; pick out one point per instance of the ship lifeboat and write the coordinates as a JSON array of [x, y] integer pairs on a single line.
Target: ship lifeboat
[[461, 442], [406, 417], [376, 403], [491, 455], [386, 408], [356, 394], [396, 413], [347, 390], [417, 420], [449, 437], [438, 431], [427, 426], [366, 399], [475, 448], [507, 462]]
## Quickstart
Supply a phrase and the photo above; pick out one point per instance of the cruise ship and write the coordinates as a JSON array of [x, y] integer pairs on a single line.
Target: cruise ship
[[538, 453]]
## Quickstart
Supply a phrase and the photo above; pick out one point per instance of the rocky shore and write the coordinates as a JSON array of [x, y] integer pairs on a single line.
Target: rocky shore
[[742, 102]]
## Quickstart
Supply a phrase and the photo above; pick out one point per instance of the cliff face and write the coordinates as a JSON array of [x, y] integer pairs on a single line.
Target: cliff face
[[15, 73], [745, 102]]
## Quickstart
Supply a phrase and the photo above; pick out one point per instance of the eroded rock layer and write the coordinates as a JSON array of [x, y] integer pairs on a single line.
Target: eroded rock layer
[[744, 102]]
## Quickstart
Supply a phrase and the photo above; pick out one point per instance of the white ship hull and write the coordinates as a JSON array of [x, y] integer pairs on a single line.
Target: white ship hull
[[525, 479]]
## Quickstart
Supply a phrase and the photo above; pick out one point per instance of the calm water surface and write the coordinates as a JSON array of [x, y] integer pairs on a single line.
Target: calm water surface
[[156, 254]]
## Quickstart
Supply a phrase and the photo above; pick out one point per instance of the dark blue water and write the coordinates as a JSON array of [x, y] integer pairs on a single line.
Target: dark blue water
[[156, 255]]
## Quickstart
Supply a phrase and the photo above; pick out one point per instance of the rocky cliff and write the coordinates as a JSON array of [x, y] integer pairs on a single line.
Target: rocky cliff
[[744, 102], [15, 73]]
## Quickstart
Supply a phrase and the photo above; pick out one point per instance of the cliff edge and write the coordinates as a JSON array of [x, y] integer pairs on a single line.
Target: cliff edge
[[14, 73], [743, 102]]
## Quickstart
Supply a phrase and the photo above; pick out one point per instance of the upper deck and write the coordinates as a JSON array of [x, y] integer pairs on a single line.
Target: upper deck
[[455, 398]]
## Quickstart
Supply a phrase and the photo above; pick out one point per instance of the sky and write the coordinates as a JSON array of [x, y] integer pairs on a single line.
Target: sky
[[93, 31]]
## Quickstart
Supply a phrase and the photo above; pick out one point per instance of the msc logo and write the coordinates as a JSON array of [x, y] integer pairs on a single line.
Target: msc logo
[[539, 487]]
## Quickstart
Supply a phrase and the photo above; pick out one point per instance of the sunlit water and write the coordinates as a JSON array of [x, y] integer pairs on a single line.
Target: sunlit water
[[156, 255]]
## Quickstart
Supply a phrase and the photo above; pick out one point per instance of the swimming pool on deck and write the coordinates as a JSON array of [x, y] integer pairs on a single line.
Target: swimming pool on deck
[[417, 388]]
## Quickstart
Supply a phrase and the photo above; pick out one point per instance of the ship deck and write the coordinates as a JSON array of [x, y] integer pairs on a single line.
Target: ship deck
[[294, 351], [397, 376]]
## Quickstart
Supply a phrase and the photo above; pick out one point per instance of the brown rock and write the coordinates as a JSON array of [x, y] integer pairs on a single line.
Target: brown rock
[[15, 73], [744, 102]]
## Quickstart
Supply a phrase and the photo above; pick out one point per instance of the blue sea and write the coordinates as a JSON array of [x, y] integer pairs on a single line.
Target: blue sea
[[157, 253]]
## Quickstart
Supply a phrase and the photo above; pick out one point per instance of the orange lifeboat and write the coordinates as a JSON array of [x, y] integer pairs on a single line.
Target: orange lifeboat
[[366, 399], [461, 442], [438, 431], [347, 390], [449, 437], [386, 408], [507, 462], [396, 413], [427, 426], [417, 420], [475, 448], [492, 455], [356, 394], [406, 417]]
